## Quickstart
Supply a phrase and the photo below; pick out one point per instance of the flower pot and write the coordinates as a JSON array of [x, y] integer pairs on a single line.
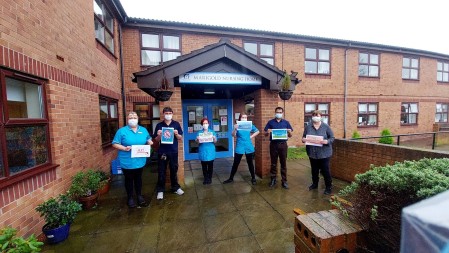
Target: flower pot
[[89, 201], [105, 189], [55, 235], [285, 95], [163, 95]]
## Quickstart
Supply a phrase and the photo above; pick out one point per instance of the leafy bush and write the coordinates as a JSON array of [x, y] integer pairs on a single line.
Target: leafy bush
[[86, 183], [378, 196], [386, 139], [11, 243], [58, 211], [356, 134]]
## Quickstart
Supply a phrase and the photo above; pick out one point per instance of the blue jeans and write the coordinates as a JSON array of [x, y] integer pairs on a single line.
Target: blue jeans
[[172, 161]]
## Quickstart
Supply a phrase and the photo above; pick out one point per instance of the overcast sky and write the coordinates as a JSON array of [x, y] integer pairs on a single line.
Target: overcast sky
[[413, 24]]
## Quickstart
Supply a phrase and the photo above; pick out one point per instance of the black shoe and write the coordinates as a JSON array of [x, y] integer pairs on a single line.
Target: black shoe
[[131, 203], [205, 181], [313, 187], [228, 181], [284, 185], [328, 190], [273, 182], [141, 201], [209, 181], [253, 181]]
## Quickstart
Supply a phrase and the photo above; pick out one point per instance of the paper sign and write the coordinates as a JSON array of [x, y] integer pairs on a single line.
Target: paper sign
[[190, 130], [279, 134], [197, 127], [244, 125], [140, 151], [222, 112], [192, 116], [167, 135], [224, 120], [205, 137], [314, 137]]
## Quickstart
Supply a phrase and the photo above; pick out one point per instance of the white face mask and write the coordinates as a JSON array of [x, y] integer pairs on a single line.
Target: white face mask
[[205, 126], [244, 119], [278, 115], [316, 119], [132, 122], [168, 116]]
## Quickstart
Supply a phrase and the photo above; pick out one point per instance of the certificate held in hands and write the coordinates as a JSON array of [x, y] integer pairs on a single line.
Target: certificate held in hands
[[244, 125], [205, 137], [140, 151], [316, 138], [279, 134], [168, 135]]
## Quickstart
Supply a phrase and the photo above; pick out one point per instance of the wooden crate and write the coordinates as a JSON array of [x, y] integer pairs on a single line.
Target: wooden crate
[[325, 231]]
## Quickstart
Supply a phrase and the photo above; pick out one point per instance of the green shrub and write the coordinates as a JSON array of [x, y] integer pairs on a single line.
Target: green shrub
[[86, 183], [386, 139], [58, 211], [378, 196], [356, 134], [11, 243]]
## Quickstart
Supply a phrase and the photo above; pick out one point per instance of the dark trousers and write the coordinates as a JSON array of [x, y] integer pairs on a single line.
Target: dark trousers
[[208, 169], [133, 177], [278, 149], [323, 166], [172, 161], [249, 161]]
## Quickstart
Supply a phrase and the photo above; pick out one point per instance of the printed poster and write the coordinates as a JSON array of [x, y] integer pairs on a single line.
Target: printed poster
[[222, 112], [279, 134], [205, 137], [224, 120], [140, 151], [244, 125], [314, 137], [167, 135]]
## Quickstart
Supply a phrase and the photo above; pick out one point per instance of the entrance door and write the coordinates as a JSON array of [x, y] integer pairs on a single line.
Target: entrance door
[[219, 113]]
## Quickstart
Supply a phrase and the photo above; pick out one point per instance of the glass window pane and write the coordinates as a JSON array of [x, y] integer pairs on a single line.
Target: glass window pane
[[151, 57], [323, 54], [311, 53], [167, 56], [97, 8], [99, 31], [250, 47], [362, 120], [444, 107], [415, 63], [268, 60], [412, 118], [171, 42], [311, 67], [372, 108], [363, 58], [405, 73], [266, 50], [363, 108], [105, 132], [23, 99], [109, 42], [439, 66], [103, 109], [309, 108], [446, 67], [413, 74], [323, 108], [372, 120], [113, 127], [323, 67], [405, 62], [109, 22], [413, 107], [363, 70], [445, 77], [439, 107], [373, 71], [156, 113], [325, 119], [374, 59], [150, 40], [27, 147], [440, 76], [113, 110]]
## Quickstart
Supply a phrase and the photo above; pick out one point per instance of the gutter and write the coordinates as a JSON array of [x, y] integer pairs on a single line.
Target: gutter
[[122, 74], [345, 96]]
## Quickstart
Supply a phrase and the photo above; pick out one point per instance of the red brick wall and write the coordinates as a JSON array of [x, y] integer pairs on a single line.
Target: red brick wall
[[355, 157]]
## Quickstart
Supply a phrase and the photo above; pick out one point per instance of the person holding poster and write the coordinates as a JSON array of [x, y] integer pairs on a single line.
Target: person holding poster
[[318, 137], [243, 145], [168, 132], [206, 150], [280, 130], [124, 140]]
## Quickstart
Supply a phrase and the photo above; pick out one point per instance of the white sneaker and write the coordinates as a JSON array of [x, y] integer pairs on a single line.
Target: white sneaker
[[179, 191], [160, 195]]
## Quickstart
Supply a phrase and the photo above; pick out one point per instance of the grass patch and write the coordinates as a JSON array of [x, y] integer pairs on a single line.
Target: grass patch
[[296, 153]]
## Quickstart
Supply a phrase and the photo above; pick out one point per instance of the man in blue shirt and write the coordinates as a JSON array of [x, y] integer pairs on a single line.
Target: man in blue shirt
[[278, 147], [168, 154]]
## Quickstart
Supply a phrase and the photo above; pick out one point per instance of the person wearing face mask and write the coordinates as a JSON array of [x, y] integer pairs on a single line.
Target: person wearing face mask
[[168, 154], [319, 154], [243, 145], [278, 148], [129, 135], [206, 151]]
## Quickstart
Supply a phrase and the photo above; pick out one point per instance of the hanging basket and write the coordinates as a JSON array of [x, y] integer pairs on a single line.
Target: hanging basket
[[285, 95], [163, 95]]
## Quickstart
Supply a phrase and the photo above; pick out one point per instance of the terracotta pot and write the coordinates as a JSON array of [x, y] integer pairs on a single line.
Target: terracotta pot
[[89, 201], [105, 189]]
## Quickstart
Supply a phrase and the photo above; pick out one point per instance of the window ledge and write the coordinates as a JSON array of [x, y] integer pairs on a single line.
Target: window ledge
[[410, 80], [409, 124], [318, 76], [442, 83], [105, 51], [7, 181], [369, 78], [367, 126]]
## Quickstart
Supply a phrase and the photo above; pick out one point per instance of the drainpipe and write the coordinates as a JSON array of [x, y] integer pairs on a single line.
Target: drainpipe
[[345, 96], [122, 73]]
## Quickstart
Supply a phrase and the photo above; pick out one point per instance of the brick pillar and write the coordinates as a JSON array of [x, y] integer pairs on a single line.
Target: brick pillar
[[175, 103], [265, 102]]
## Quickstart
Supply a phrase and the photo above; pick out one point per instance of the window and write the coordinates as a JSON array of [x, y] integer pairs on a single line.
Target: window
[[157, 48], [441, 112], [368, 65], [261, 50], [443, 72], [317, 61], [104, 25], [148, 115], [310, 107], [24, 140], [108, 119], [409, 114], [410, 68], [367, 114]]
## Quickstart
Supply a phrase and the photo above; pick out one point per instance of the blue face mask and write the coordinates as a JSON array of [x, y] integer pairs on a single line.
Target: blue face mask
[[278, 115]]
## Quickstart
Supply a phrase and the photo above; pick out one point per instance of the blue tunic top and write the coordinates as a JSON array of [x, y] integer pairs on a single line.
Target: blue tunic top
[[127, 137], [274, 124], [244, 144], [206, 150], [168, 148]]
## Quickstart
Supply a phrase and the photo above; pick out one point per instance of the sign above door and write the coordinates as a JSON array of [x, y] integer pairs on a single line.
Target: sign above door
[[219, 78]]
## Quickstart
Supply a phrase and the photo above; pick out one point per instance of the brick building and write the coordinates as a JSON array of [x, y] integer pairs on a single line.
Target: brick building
[[67, 83]]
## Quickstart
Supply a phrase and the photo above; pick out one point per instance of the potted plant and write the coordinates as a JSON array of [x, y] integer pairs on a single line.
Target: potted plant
[[85, 185], [163, 94], [105, 181], [285, 93], [58, 214]]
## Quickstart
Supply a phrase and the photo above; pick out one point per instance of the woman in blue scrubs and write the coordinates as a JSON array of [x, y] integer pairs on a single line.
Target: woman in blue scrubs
[[206, 150]]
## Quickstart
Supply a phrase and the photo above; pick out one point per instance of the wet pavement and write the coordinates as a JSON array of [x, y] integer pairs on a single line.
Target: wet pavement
[[235, 217]]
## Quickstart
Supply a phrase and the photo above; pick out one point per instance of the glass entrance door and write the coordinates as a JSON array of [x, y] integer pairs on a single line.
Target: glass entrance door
[[219, 113]]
